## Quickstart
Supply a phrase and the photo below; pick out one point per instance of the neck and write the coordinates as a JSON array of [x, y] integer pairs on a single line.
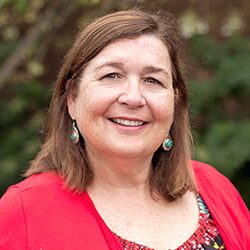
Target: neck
[[120, 173]]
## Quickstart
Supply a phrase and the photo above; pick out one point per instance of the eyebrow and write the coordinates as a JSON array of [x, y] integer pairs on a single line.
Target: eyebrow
[[146, 70], [118, 65], [153, 69]]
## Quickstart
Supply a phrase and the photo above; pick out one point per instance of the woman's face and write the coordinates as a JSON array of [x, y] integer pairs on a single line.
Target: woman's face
[[125, 102]]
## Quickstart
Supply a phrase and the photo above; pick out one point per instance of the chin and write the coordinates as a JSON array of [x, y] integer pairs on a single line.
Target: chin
[[127, 151]]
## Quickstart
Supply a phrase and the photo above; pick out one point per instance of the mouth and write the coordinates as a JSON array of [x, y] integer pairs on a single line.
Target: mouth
[[128, 123]]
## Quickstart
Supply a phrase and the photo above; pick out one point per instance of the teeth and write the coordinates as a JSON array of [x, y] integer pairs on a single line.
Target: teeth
[[127, 122]]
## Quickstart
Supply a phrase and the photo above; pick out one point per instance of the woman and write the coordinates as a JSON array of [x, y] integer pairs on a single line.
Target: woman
[[114, 171]]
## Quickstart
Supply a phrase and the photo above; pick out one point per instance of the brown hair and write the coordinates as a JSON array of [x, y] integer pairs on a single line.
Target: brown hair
[[171, 175]]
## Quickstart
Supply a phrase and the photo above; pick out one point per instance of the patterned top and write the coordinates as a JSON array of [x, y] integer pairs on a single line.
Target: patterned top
[[206, 236]]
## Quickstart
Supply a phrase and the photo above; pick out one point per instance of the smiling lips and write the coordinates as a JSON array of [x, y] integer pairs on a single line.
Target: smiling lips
[[125, 122]]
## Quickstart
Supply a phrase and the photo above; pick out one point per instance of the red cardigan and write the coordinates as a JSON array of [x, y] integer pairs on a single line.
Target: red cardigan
[[40, 214]]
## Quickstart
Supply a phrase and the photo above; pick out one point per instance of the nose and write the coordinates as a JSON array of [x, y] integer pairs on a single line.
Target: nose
[[132, 95]]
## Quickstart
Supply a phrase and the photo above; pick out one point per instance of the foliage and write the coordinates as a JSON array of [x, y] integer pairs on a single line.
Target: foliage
[[219, 83], [220, 103], [22, 111]]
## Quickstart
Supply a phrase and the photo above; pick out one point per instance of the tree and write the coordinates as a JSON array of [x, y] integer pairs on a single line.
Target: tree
[[36, 34]]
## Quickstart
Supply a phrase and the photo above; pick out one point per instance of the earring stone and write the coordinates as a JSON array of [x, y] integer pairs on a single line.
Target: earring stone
[[74, 137], [167, 144]]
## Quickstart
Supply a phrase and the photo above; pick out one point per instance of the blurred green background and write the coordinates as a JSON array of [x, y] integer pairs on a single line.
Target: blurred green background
[[36, 34]]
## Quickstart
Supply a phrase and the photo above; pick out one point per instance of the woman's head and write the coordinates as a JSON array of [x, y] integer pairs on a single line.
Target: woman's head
[[170, 175], [125, 100]]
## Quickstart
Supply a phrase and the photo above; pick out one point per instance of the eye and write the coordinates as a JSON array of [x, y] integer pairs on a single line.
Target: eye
[[152, 80], [112, 76]]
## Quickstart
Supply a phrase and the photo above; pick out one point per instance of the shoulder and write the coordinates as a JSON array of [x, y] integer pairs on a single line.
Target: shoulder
[[38, 181], [205, 172], [13, 206], [225, 204], [210, 180], [32, 192], [216, 189], [35, 210], [44, 194], [203, 169]]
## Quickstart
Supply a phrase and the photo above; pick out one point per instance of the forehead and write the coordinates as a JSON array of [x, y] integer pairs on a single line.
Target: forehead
[[147, 49]]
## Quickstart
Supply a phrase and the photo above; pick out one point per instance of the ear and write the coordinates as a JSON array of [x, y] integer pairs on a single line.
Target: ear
[[71, 99], [176, 94]]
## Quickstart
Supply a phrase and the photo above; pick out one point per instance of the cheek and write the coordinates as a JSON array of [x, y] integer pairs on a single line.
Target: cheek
[[94, 103], [163, 107]]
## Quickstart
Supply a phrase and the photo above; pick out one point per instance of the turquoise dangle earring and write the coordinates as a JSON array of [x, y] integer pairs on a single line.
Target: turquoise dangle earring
[[167, 143], [74, 137]]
